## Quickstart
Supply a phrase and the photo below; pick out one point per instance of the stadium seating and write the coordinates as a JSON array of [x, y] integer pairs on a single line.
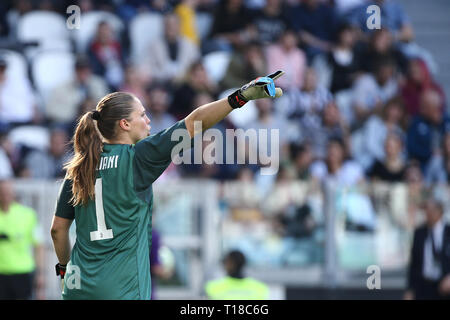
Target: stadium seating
[[17, 64], [144, 28], [50, 69], [48, 29], [35, 137], [216, 64]]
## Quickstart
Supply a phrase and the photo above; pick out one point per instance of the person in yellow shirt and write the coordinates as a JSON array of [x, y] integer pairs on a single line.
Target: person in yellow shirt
[[185, 11], [234, 286], [19, 233]]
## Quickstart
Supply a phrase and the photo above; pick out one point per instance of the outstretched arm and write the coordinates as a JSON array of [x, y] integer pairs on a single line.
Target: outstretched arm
[[211, 113]]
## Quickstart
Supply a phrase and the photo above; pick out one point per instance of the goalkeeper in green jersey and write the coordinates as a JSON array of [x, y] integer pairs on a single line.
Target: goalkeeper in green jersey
[[108, 192]]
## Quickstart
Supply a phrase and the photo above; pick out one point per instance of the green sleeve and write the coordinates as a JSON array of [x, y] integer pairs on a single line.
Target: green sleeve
[[64, 208], [153, 154]]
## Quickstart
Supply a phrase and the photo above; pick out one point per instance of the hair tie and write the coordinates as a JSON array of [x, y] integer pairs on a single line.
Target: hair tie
[[95, 115]]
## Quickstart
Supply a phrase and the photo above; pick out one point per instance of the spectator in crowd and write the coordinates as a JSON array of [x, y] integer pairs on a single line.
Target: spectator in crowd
[[234, 286], [171, 55], [196, 81], [270, 22], [392, 17], [417, 193], [157, 106], [426, 131], [336, 167], [381, 47], [48, 164], [418, 80], [285, 55], [315, 23], [186, 12], [64, 100], [310, 100], [134, 82], [393, 167], [232, 27], [370, 92], [106, 55], [343, 59], [438, 169], [21, 271], [332, 126], [245, 65], [302, 157], [307, 104], [268, 121], [17, 100], [429, 268], [375, 131]]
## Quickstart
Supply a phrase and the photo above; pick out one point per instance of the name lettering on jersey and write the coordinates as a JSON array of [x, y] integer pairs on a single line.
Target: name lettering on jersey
[[108, 162]]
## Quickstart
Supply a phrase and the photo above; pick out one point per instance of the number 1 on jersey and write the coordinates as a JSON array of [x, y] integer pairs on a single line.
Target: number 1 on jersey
[[102, 233]]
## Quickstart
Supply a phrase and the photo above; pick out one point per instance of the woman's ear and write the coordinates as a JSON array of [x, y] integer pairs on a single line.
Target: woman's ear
[[124, 124]]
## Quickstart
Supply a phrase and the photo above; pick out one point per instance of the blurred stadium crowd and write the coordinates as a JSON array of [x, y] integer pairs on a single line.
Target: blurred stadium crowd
[[359, 105]]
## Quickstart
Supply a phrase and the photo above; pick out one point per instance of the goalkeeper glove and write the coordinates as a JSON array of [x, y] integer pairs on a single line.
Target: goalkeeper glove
[[261, 87], [60, 270]]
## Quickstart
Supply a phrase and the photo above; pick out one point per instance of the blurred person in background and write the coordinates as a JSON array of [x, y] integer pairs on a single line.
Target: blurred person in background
[[302, 158], [393, 167], [438, 169], [186, 12], [418, 80], [21, 271], [307, 103], [17, 99], [429, 267], [48, 164], [381, 47], [331, 125], [171, 54], [315, 22], [270, 21], [235, 286], [64, 100], [106, 55], [267, 120], [285, 55], [373, 134], [232, 27], [336, 167], [245, 64], [427, 129], [134, 82], [157, 104], [196, 81], [343, 59], [371, 91]]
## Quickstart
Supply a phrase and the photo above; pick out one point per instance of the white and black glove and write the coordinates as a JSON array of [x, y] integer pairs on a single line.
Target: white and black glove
[[261, 87]]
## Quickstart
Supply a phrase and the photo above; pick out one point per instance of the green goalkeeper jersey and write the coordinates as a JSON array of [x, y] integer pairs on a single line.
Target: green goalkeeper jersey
[[110, 258]]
